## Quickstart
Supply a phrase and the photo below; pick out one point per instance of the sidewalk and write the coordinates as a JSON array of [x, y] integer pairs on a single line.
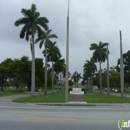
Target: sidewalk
[[77, 100], [12, 97]]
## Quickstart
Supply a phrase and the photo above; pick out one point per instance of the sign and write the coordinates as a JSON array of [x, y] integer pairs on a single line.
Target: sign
[[122, 124], [76, 91]]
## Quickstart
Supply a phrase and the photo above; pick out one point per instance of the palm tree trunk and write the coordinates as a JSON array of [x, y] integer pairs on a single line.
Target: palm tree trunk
[[45, 71], [33, 69], [100, 78], [52, 77], [92, 82], [88, 84], [60, 81], [57, 86]]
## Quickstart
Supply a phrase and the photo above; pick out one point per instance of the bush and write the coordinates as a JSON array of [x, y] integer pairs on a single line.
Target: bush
[[83, 89], [70, 89]]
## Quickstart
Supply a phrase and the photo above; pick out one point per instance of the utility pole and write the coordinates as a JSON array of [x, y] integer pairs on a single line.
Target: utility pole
[[67, 55], [121, 67], [45, 70], [108, 79]]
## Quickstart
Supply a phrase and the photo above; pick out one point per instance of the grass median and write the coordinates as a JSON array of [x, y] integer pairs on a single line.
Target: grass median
[[91, 97], [56, 97]]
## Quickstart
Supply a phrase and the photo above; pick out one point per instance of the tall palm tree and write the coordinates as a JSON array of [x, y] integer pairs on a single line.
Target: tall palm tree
[[90, 68], [99, 55], [45, 39], [32, 24], [59, 67], [53, 53]]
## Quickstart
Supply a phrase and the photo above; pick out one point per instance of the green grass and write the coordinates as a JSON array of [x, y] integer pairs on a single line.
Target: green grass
[[8, 92], [92, 97], [50, 98]]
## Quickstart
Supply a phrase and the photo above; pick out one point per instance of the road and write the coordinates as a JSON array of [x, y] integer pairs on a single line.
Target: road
[[15, 116]]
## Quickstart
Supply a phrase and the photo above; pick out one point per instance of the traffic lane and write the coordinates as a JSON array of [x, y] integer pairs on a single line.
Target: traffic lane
[[57, 124], [74, 117]]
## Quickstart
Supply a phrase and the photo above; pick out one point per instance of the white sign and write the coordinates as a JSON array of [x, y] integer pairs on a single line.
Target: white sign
[[77, 91]]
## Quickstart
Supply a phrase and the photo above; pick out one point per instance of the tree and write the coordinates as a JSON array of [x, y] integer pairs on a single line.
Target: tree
[[45, 39], [90, 68], [39, 73], [59, 67], [32, 24], [126, 58], [76, 77], [99, 55], [114, 77], [6, 70], [21, 72], [53, 53]]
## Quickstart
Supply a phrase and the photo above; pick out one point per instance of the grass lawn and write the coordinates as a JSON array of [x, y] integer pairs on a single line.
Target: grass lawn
[[8, 92], [50, 98], [92, 97]]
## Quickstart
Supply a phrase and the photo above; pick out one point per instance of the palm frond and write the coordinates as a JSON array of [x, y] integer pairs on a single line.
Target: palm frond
[[43, 21], [33, 8], [52, 36], [93, 46], [41, 43], [23, 31], [39, 31]]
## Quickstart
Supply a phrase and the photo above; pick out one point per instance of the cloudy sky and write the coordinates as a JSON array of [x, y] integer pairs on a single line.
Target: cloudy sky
[[91, 21]]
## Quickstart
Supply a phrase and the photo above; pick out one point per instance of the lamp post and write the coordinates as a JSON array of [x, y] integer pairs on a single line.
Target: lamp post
[[45, 70], [67, 55], [108, 79], [121, 67]]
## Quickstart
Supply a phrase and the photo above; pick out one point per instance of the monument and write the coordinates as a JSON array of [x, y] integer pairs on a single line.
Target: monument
[[76, 91]]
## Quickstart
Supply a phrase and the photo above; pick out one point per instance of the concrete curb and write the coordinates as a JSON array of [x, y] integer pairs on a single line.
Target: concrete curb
[[82, 104]]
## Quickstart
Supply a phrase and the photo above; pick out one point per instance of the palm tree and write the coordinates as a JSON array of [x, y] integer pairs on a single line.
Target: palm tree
[[99, 55], [90, 68], [59, 67], [76, 77], [45, 39], [32, 24], [53, 53]]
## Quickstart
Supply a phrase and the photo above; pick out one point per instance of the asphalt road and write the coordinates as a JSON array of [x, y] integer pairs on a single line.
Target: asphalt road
[[15, 116]]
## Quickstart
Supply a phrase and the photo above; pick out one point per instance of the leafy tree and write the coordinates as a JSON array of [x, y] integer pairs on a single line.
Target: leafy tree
[[21, 73], [32, 24], [126, 58], [6, 70], [71, 83], [39, 73], [114, 77], [99, 55]]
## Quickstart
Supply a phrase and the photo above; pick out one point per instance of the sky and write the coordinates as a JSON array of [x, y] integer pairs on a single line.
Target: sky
[[91, 21]]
